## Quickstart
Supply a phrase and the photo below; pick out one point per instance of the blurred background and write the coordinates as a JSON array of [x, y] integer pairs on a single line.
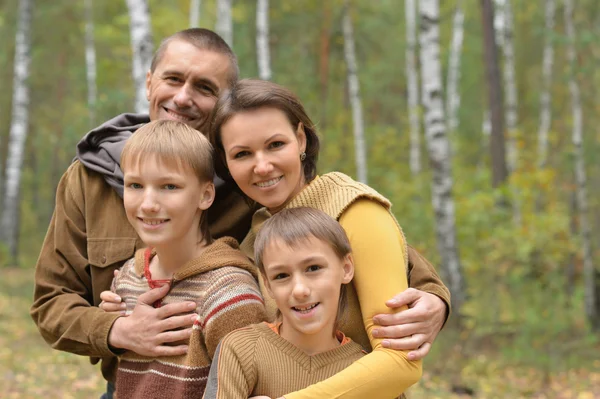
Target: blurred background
[[477, 118]]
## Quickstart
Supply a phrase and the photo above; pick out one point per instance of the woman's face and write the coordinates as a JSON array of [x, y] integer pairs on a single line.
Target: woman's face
[[262, 151]]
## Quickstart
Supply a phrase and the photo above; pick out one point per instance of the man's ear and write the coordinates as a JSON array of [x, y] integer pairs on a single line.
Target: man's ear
[[208, 196], [301, 136], [148, 81], [348, 267]]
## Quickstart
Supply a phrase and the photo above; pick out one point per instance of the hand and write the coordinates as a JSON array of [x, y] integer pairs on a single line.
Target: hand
[[148, 331], [414, 329], [111, 302]]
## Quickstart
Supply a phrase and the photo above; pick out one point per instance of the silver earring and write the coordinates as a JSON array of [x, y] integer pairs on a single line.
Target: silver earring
[[302, 156]]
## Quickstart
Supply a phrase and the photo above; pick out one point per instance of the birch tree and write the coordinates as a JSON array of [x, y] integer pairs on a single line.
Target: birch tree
[[412, 80], [195, 13], [354, 91], [224, 24], [262, 39], [9, 226], [589, 270], [439, 149], [90, 60], [452, 94], [142, 49], [545, 97], [497, 149]]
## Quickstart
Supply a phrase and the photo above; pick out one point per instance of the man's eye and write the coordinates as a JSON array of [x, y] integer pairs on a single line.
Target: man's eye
[[206, 89], [173, 79]]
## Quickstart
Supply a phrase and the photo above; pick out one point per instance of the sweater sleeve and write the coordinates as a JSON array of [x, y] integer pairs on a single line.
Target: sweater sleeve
[[232, 372], [232, 300], [378, 250]]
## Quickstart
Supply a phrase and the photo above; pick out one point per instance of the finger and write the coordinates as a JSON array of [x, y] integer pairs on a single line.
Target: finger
[[178, 308], [154, 295], [170, 337], [112, 307], [397, 332], [406, 344], [404, 298], [420, 353], [116, 272], [109, 296], [176, 322], [412, 315], [165, 350]]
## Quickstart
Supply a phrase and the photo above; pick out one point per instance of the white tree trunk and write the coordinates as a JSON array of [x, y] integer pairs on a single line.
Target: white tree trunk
[[142, 48], [262, 39], [195, 13], [545, 97], [412, 79], [589, 271], [452, 93], [90, 60], [9, 228], [439, 149], [354, 89], [224, 25]]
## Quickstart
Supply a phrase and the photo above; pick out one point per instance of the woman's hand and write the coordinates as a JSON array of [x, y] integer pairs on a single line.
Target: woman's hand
[[414, 329], [111, 302]]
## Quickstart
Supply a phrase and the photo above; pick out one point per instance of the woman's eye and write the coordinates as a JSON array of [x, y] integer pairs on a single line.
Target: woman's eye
[[276, 144], [279, 276], [135, 186], [241, 154]]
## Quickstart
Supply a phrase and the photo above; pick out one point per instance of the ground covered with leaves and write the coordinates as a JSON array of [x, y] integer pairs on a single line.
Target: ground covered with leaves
[[483, 367]]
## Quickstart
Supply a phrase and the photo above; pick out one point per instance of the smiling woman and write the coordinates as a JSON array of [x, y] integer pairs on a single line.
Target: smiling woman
[[268, 146]]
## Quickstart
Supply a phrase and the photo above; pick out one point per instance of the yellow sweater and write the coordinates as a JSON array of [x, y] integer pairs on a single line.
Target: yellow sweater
[[380, 260]]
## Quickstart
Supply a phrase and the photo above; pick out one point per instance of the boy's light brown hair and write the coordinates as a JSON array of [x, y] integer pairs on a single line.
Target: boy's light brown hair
[[295, 225], [173, 143]]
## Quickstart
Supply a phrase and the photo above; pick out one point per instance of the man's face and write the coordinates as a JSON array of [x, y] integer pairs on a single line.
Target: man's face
[[186, 83]]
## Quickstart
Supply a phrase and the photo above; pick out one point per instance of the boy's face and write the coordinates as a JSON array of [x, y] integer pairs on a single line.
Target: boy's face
[[305, 282], [164, 202]]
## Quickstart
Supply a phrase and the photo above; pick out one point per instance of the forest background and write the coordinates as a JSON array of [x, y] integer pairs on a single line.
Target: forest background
[[525, 243]]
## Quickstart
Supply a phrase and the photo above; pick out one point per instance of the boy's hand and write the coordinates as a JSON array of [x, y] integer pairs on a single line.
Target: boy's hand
[[111, 302], [414, 329], [151, 332]]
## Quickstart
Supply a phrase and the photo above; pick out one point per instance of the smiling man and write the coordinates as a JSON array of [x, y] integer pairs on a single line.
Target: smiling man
[[89, 235]]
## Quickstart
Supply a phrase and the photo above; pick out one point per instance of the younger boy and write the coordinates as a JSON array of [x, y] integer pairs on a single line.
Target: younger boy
[[168, 173], [304, 257]]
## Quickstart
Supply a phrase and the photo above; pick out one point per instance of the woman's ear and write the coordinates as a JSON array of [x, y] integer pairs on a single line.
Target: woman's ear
[[301, 136], [348, 267], [207, 197]]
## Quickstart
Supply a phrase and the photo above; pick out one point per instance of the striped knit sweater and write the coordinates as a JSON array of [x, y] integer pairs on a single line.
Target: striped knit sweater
[[222, 281], [257, 361]]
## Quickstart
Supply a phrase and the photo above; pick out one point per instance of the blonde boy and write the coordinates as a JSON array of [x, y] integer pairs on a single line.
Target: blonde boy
[[305, 259], [168, 173]]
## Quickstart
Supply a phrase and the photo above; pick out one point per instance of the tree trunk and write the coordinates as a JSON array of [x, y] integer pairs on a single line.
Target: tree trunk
[[90, 61], [439, 150], [195, 13], [452, 93], [9, 228], [142, 48], [545, 97], [354, 91], [262, 40], [324, 62], [224, 25], [589, 270], [497, 150], [412, 80]]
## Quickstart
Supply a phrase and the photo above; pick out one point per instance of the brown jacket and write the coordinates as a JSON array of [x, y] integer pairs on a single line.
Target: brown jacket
[[89, 236]]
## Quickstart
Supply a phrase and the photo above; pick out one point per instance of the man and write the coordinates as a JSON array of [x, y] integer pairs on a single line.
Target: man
[[89, 236]]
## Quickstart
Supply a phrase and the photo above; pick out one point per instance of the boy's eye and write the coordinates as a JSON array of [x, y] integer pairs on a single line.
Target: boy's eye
[[313, 268], [170, 187], [135, 186]]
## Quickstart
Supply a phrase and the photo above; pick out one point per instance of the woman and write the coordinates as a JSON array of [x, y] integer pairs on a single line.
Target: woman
[[267, 145]]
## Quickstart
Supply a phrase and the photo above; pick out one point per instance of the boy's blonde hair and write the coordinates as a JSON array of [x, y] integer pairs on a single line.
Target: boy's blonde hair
[[173, 143], [295, 225]]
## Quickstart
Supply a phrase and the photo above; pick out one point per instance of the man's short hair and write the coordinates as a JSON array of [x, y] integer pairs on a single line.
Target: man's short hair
[[203, 39], [173, 143]]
